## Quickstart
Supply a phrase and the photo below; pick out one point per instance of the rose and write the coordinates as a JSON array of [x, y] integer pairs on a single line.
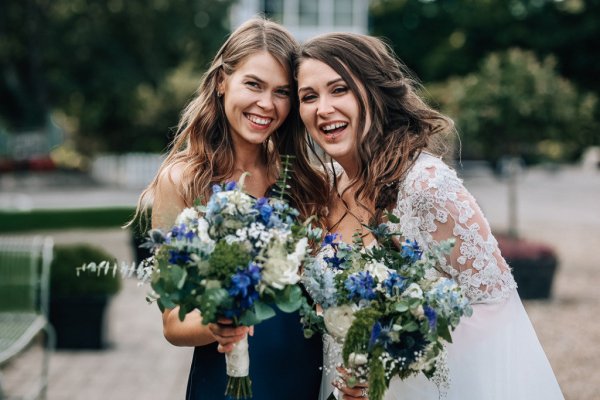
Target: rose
[[338, 320], [299, 252], [356, 359], [378, 270], [413, 291], [186, 216], [278, 269]]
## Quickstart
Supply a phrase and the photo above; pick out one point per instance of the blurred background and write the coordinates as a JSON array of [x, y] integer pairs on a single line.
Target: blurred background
[[91, 90]]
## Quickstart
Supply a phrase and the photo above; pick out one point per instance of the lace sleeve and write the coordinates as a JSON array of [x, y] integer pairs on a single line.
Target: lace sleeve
[[433, 205]]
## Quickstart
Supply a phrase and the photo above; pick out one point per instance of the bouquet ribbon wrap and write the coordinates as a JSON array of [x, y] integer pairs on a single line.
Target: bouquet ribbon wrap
[[238, 360]]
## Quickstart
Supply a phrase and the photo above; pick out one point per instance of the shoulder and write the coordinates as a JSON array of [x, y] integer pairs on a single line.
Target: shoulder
[[171, 176], [168, 198], [431, 172]]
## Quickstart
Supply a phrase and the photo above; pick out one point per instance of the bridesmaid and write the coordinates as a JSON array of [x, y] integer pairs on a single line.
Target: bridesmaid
[[243, 115]]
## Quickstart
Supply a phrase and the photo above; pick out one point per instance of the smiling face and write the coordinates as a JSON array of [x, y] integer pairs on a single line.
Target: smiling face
[[256, 98], [329, 110]]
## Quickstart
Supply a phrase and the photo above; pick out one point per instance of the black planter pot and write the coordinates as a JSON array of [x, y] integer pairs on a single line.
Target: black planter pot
[[534, 276], [79, 321]]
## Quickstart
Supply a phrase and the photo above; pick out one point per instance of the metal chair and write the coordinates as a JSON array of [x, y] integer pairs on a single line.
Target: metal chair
[[24, 290]]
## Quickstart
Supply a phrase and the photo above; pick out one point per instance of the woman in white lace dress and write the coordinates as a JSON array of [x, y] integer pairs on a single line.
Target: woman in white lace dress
[[362, 109]]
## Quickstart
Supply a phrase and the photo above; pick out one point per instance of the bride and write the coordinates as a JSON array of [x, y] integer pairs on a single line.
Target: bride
[[362, 109]]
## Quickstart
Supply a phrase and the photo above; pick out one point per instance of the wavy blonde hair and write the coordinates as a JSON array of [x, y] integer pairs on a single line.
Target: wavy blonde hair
[[203, 141], [402, 124]]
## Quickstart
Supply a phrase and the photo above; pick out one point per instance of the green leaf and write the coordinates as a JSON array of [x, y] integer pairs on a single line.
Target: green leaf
[[249, 318], [289, 299], [401, 306], [411, 326], [263, 311]]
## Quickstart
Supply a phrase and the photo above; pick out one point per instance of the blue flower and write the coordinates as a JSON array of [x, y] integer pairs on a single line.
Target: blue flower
[[178, 257], [360, 286], [264, 209], [243, 289], [411, 250], [394, 284], [230, 185], [431, 316], [216, 189], [330, 239], [380, 334]]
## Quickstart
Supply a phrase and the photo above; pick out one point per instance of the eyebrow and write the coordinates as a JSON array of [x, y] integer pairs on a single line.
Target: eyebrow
[[331, 82], [256, 78]]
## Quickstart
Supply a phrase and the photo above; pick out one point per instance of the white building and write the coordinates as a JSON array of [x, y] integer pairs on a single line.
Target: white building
[[306, 18]]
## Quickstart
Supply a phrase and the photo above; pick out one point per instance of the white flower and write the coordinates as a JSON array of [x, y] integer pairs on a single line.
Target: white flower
[[378, 270], [414, 291], [203, 231], [187, 215], [355, 359], [338, 320], [299, 252], [418, 312], [277, 270]]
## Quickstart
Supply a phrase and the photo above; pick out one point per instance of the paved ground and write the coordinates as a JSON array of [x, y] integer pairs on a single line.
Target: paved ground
[[558, 208]]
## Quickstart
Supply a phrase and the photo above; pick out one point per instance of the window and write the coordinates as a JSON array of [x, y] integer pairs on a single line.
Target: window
[[308, 12], [273, 9], [342, 12]]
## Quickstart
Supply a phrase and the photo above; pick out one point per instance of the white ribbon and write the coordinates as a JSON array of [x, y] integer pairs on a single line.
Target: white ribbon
[[238, 359]]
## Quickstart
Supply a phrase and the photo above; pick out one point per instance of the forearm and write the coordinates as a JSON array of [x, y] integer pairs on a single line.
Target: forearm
[[189, 332]]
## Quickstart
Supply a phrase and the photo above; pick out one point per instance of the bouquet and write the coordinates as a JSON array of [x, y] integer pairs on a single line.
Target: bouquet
[[238, 257], [381, 308]]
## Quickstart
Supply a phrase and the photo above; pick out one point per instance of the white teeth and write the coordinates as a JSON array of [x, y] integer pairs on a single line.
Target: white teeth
[[258, 120], [333, 126]]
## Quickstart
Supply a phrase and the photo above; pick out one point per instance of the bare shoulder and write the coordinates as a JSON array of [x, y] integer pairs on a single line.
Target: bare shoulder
[[168, 198]]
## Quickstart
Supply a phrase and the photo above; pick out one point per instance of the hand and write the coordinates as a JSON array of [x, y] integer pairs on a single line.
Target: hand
[[358, 391], [226, 335]]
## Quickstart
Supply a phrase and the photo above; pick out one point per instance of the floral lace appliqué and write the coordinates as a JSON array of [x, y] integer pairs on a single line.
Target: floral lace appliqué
[[433, 205]]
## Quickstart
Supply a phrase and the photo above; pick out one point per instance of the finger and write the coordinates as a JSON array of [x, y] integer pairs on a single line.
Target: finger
[[251, 331], [224, 348], [224, 321]]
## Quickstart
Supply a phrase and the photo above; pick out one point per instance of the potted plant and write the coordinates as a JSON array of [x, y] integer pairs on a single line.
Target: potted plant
[[78, 302], [533, 265]]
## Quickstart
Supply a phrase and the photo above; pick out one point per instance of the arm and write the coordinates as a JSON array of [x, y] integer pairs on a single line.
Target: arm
[[433, 206], [168, 203]]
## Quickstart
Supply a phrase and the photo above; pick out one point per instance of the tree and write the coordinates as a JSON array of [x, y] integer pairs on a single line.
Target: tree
[[119, 70], [514, 102]]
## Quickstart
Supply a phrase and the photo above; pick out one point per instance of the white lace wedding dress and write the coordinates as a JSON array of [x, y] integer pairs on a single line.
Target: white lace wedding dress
[[495, 353]]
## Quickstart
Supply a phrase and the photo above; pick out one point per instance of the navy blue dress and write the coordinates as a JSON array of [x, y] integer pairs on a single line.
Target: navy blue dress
[[283, 364]]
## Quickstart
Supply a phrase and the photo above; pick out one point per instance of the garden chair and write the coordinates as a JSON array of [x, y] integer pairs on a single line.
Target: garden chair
[[24, 291]]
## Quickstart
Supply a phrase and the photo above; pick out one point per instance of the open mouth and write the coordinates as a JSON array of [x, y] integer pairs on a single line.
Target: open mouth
[[259, 122], [333, 130]]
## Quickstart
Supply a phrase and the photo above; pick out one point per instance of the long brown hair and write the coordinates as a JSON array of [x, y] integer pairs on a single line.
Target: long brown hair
[[203, 141], [402, 124]]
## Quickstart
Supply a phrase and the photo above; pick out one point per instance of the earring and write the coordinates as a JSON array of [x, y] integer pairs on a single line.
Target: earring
[[219, 94]]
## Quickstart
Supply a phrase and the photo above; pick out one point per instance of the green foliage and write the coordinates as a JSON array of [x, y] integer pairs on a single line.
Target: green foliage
[[378, 382], [19, 221], [226, 259], [443, 39], [66, 282], [360, 332], [512, 103], [120, 70]]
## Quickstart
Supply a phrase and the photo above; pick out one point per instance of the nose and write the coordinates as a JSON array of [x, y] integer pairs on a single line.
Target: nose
[[265, 101], [324, 107]]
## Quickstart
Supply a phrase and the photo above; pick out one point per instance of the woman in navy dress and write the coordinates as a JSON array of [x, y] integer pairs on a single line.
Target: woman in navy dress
[[243, 116]]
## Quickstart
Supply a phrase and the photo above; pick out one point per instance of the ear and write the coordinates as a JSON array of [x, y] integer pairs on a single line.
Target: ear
[[221, 83]]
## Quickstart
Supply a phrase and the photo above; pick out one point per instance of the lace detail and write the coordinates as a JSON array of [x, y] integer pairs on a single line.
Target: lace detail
[[433, 205]]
